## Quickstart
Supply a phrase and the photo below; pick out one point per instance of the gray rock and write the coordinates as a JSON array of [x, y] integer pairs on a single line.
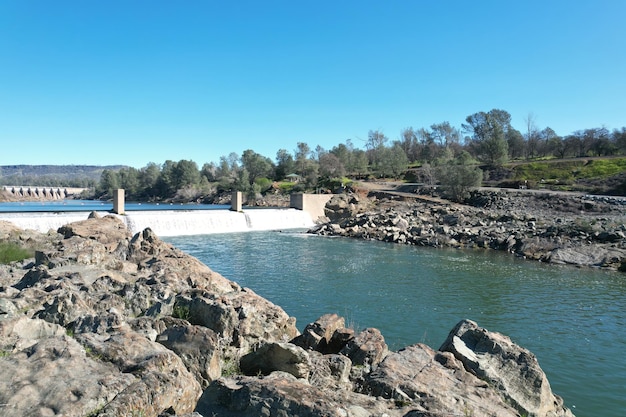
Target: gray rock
[[197, 346], [324, 335], [415, 376], [367, 349], [271, 357], [507, 367]]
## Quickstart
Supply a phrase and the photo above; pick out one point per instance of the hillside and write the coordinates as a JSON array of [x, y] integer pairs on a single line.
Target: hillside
[[593, 175], [53, 175]]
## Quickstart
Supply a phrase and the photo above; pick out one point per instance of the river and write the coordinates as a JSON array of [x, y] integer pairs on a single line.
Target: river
[[572, 319]]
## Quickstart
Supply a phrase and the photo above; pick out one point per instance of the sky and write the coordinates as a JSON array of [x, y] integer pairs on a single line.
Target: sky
[[133, 82]]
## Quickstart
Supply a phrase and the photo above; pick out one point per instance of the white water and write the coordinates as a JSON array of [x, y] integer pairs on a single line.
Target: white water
[[176, 222]]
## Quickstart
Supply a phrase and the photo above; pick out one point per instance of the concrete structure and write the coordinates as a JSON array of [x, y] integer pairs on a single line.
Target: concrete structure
[[118, 201], [29, 192], [236, 201], [311, 203]]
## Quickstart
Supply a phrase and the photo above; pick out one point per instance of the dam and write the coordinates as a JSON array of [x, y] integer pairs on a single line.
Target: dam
[[166, 220], [175, 222]]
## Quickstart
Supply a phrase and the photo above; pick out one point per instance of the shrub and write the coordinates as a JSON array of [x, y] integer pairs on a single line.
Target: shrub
[[458, 177]]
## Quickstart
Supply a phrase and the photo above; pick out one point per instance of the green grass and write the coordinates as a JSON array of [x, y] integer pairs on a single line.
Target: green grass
[[11, 252], [570, 170]]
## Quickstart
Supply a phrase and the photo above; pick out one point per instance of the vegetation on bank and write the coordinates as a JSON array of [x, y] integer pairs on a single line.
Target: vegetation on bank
[[11, 252], [484, 148]]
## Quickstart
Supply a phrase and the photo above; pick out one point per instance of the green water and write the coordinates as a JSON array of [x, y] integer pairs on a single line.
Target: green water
[[572, 319]]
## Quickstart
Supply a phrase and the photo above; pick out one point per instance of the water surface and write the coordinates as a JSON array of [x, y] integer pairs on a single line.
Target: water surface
[[572, 319]]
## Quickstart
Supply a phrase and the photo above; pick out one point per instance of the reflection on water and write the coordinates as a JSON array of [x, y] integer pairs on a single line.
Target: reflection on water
[[571, 319]]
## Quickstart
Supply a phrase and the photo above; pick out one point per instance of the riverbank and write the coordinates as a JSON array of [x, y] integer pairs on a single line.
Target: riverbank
[[105, 323], [560, 228]]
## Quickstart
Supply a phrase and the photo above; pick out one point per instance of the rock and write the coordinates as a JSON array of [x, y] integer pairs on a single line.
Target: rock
[[281, 394], [330, 371], [589, 256], [270, 357], [367, 349], [197, 346], [242, 318], [342, 206], [160, 379], [7, 309], [415, 376], [109, 230], [327, 334], [55, 376], [507, 367]]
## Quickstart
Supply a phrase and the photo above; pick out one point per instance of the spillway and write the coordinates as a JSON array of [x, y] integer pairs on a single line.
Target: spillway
[[176, 222]]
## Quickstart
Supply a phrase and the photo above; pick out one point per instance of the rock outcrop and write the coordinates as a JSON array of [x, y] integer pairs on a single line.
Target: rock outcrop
[[102, 323], [550, 228]]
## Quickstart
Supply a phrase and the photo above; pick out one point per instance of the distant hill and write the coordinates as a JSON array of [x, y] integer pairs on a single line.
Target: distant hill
[[53, 175]]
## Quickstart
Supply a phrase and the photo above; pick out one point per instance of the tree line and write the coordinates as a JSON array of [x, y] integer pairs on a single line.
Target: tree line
[[447, 155]]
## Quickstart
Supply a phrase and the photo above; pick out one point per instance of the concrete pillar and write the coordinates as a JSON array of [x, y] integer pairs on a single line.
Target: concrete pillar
[[236, 201], [296, 200], [311, 203], [118, 201]]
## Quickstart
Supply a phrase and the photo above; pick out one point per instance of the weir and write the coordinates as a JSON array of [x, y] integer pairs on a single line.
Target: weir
[[306, 209], [176, 222]]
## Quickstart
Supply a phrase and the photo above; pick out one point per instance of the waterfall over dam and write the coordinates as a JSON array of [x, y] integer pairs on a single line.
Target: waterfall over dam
[[176, 222]]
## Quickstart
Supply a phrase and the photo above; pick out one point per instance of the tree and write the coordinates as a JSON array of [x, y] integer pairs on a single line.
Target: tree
[[359, 163], [109, 181], [619, 138], [258, 166], [409, 144], [376, 141], [185, 174], [532, 137], [165, 185], [148, 177], [302, 156], [444, 134], [488, 132], [343, 154], [515, 143], [227, 172], [459, 176], [129, 181], [548, 141], [285, 164], [330, 166], [394, 161], [209, 171]]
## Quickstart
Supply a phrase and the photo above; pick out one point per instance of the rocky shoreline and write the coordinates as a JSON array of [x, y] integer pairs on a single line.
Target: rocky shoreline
[[103, 323], [549, 227]]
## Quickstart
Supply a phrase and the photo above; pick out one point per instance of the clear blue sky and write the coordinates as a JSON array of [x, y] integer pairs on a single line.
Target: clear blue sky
[[132, 82]]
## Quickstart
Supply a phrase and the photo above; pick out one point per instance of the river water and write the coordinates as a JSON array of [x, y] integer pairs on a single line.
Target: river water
[[572, 319]]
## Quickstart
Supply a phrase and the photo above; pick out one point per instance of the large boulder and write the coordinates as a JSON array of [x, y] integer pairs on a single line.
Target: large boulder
[[327, 334], [282, 394], [505, 366], [415, 376], [49, 373], [197, 346], [367, 349], [342, 206], [271, 357]]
